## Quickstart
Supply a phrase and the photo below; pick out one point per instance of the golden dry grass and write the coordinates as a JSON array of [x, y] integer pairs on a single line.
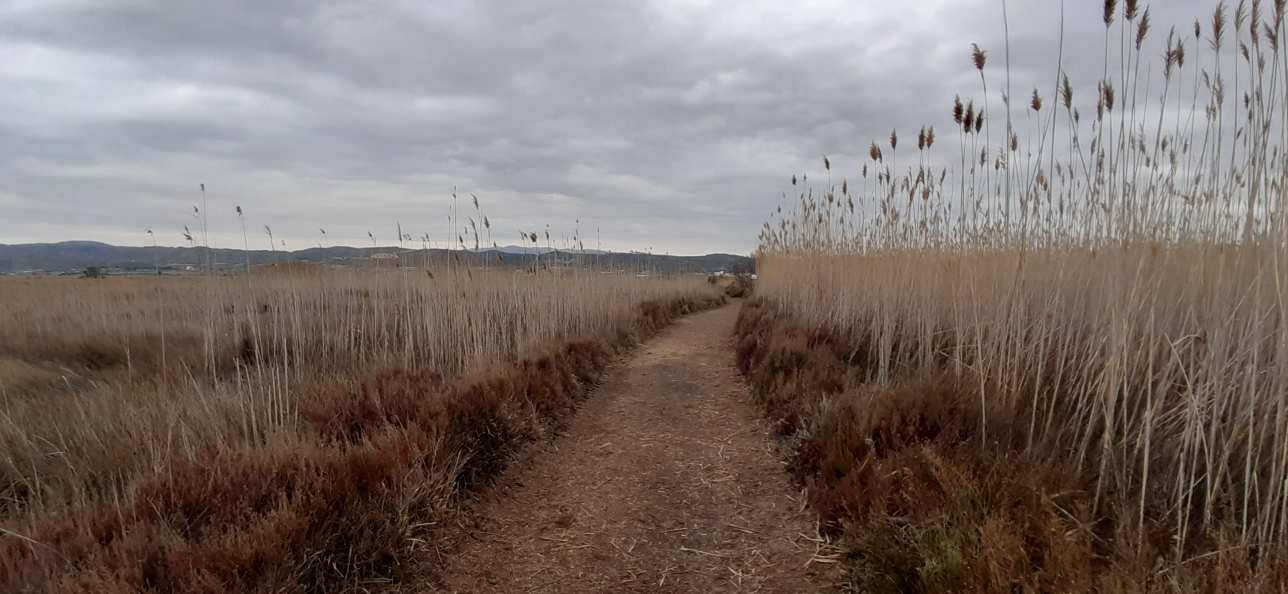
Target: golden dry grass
[[105, 378], [145, 413]]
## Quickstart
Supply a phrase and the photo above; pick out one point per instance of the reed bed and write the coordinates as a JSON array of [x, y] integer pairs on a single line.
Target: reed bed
[[1098, 278], [104, 370], [112, 388]]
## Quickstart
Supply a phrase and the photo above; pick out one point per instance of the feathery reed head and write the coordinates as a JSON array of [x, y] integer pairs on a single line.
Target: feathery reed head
[[1218, 26], [978, 56], [1254, 23], [1142, 29]]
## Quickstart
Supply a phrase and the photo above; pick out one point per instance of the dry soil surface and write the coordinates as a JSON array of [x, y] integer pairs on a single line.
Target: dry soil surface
[[665, 481]]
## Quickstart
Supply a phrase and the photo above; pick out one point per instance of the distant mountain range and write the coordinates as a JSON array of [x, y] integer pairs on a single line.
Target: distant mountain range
[[520, 249], [70, 257]]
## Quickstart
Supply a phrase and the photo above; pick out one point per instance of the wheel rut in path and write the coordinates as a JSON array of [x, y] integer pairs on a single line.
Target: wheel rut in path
[[665, 481]]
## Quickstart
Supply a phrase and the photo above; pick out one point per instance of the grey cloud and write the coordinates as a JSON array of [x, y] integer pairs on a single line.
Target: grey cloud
[[661, 123]]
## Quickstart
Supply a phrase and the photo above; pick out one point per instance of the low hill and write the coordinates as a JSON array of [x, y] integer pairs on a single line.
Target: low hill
[[75, 256]]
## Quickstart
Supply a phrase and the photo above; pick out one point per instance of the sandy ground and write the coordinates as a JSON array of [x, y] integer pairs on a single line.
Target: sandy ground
[[665, 481]]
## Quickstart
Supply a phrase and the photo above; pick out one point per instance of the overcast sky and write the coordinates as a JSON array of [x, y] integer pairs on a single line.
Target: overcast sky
[[671, 124]]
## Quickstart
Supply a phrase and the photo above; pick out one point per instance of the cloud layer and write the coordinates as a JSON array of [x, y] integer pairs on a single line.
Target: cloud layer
[[670, 124]]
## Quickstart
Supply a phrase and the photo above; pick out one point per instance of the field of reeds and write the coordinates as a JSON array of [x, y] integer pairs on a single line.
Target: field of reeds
[[1053, 356], [300, 428]]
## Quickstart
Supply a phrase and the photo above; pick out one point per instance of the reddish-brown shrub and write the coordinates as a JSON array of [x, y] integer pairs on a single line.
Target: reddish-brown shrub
[[393, 397]]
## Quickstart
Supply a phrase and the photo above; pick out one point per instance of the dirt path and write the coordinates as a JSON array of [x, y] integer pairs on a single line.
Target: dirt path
[[666, 481]]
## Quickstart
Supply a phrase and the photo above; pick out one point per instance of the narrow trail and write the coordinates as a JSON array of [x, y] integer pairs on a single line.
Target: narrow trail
[[666, 481]]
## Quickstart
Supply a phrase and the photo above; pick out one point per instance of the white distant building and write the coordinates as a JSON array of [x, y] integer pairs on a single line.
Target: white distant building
[[384, 259]]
